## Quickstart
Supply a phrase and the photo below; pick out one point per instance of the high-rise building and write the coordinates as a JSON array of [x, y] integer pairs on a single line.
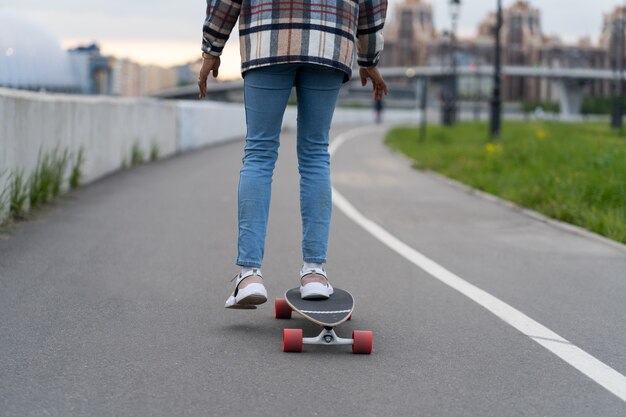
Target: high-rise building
[[409, 37], [522, 40], [126, 78], [610, 35]]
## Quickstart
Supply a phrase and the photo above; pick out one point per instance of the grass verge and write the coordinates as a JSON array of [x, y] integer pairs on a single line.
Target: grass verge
[[575, 173]]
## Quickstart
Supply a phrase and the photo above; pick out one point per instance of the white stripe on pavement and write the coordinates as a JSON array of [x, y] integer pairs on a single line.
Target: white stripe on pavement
[[595, 369]]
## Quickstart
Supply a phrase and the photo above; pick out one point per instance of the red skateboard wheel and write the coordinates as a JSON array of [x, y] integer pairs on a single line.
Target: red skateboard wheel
[[292, 340], [362, 341], [281, 309]]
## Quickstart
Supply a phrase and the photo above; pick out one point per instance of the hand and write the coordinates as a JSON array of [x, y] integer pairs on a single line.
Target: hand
[[209, 63], [377, 81]]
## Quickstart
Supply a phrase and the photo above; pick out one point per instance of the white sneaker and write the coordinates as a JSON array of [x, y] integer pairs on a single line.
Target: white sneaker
[[248, 297], [315, 290]]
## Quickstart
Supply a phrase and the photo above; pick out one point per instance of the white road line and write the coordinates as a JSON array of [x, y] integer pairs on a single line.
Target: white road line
[[598, 371]]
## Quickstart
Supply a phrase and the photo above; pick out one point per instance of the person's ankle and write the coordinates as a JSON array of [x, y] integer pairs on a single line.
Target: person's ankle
[[252, 279], [254, 276], [312, 265], [314, 276]]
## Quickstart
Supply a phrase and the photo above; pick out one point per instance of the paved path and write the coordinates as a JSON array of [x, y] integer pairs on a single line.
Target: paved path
[[111, 302]]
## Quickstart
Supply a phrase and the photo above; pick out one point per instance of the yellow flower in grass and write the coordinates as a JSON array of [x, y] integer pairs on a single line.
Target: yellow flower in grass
[[541, 134], [493, 148]]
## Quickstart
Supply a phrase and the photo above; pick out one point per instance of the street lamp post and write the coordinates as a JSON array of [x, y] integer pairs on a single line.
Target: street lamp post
[[618, 98], [477, 91], [496, 99], [449, 110]]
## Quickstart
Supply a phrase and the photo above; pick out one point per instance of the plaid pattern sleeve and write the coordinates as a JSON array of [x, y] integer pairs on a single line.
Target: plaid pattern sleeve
[[221, 16], [369, 33]]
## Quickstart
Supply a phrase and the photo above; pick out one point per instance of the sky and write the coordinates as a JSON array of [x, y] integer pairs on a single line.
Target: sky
[[168, 32]]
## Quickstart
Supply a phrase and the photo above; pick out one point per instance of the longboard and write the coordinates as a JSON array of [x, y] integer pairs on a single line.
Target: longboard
[[327, 313]]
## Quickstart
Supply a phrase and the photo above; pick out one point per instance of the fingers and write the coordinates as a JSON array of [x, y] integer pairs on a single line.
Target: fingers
[[202, 88], [378, 94], [216, 66], [380, 89], [202, 84], [209, 65], [382, 85], [378, 84]]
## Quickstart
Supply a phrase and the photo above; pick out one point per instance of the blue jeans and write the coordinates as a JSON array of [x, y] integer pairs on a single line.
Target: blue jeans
[[266, 92]]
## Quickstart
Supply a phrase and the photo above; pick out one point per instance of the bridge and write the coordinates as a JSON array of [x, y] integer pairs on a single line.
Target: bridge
[[579, 74], [570, 82]]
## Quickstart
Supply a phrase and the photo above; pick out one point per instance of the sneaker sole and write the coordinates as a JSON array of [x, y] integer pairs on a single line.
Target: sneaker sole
[[315, 291], [241, 307], [252, 300]]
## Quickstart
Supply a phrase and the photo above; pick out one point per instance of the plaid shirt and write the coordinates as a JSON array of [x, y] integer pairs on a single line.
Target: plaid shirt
[[287, 31]]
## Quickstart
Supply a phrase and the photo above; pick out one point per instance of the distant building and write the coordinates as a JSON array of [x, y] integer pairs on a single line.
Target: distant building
[[609, 36], [412, 39], [407, 40], [126, 78], [33, 59], [154, 78], [185, 74], [92, 70]]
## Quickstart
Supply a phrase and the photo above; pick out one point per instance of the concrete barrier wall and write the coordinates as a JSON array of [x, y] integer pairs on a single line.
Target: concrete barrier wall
[[107, 128], [204, 123]]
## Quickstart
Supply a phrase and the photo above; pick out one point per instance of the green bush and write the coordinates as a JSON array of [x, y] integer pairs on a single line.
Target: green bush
[[597, 105], [154, 152], [77, 169], [136, 155], [18, 195], [58, 168], [46, 181], [39, 182], [3, 202], [530, 106]]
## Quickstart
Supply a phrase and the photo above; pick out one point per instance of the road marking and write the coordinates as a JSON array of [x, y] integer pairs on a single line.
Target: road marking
[[595, 369]]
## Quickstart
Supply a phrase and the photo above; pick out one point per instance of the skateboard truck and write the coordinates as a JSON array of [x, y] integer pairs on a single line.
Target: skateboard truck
[[327, 337]]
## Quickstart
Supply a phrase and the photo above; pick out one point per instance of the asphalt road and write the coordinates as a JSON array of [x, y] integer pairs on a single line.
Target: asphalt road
[[111, 303]]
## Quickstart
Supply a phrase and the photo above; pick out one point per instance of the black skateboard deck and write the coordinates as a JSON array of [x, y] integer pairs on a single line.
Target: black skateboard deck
[[327, 313]]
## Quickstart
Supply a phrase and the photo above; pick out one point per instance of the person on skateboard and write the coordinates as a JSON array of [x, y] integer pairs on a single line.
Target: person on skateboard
[[285, 43]]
